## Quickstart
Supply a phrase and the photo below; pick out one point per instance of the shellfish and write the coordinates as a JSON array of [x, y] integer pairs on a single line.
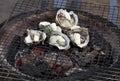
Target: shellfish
[[34, 36], [79, 36], [66, 19], [49, 27], [59, 40]]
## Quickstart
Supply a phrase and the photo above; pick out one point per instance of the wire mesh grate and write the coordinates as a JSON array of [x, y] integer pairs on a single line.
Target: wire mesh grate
[[91, 15], [104, 10]]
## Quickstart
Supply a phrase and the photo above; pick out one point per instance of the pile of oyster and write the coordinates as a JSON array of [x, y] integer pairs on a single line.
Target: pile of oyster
[[59, 33]]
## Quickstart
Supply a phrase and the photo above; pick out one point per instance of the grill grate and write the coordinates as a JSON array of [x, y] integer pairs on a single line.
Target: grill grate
[[91, 15]]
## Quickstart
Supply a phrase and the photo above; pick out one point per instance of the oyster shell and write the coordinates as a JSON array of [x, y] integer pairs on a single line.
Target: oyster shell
[[66, 19], [79, 36], [45, 27], [59, 40], [28, 40], [49, 27], [74, 18], [55, 28], [75, 28], [44, 23], [34, 36]]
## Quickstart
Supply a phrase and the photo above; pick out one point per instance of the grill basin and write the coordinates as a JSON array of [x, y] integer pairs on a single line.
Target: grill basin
[[102, 50]]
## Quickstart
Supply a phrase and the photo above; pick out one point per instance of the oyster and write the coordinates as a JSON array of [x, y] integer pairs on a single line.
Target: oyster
[[59, 40], [45, 27], [34, 36], [66, 19], [79, 36], [55, 28], [49, 27]]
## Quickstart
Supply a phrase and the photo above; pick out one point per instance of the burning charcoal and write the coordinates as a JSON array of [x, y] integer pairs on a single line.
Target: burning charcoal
[[28, 58], [90, 56], [37, 51], [59, 62], [18, 62], [50, 58], [42, 71]]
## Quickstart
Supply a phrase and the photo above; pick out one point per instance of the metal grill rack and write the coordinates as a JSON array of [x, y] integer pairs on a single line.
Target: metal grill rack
[[108, 15], [104, 10]]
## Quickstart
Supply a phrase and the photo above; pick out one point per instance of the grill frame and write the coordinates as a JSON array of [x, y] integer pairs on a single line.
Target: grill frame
[[114, 28]]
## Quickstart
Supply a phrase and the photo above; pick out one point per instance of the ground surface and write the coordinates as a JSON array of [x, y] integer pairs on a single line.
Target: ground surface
[[6, 7]]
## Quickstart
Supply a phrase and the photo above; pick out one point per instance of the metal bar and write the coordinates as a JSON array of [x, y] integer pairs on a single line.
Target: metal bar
[[104, 78], [105, 74], [11, 78]]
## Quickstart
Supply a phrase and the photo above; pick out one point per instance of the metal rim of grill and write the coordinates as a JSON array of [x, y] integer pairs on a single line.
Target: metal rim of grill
[[91, 20]]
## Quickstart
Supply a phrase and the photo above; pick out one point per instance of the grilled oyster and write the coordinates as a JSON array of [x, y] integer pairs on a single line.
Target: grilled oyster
[[49, 27], [45, 27], [59, 40], [34, 36], [66, 19], [55, 28], [79, 36]]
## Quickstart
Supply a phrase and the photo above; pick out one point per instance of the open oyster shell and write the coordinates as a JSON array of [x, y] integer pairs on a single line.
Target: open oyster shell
[[66, 19], [79, 36], [59, 40], [34, 36], [55, 28], [49, 27], [45, 27]]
